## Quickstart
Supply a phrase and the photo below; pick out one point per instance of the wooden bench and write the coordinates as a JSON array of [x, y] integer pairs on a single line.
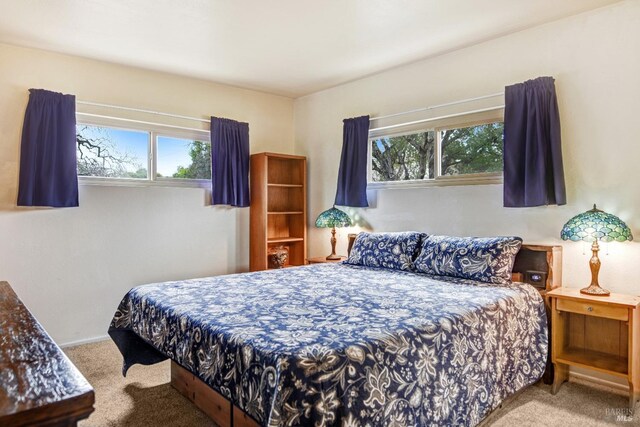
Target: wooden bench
[[38, 383]]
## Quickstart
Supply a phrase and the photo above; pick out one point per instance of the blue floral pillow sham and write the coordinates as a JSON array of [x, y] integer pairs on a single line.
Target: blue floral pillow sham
[[486, 259], [387, 250]]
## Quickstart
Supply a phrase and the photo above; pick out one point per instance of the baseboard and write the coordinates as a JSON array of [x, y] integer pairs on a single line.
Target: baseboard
[[588, 379], [84, 341]]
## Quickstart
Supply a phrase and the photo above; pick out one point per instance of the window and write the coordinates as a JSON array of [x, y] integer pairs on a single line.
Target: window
[[403, 157], [462, 154], [183, 158], [472, 149], [111, 154]]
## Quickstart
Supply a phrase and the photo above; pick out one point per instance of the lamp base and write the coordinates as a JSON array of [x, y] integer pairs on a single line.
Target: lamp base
[[595, 290], [333, 255], [594, 264]]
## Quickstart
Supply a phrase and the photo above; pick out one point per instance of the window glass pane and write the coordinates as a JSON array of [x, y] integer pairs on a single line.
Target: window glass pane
[[402, 158], [112, 153], [474, 149], [183, 158]]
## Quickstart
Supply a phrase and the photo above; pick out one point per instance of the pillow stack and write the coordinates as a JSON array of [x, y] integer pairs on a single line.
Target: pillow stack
[[387, 250], [484, 259]]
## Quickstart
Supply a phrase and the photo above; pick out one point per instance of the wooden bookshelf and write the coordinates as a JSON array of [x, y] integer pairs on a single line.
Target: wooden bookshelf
[[278, 207]]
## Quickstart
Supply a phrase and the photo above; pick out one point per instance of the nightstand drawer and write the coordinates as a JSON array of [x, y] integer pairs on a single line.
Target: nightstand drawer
[[593, 309]]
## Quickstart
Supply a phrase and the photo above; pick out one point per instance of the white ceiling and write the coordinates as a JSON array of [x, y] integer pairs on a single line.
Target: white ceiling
[[288, 47]]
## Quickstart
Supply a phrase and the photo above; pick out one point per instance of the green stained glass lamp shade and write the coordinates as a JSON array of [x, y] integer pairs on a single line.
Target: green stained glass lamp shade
[[596, 225], [333, 218]]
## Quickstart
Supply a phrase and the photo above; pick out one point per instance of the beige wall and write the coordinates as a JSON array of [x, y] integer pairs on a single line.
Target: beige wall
[[72, 266], [594, 58]]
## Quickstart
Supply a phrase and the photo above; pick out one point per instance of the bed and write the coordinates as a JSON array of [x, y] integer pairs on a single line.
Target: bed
[[340, 344]]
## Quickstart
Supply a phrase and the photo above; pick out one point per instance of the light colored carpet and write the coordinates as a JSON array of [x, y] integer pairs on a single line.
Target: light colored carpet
[[145, 398]]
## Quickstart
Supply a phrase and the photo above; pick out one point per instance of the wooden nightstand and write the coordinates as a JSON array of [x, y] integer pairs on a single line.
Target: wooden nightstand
[[599, 333], [322, 259]]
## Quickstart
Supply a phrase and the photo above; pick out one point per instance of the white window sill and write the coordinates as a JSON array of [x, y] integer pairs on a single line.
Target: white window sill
[[132, 182], [445, 181]]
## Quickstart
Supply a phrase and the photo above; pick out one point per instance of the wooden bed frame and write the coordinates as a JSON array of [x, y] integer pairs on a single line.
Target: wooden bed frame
[[209, 401], [538, 258]]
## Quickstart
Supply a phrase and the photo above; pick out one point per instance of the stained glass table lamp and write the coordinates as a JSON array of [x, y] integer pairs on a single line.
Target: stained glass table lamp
[[332, 218], [593, 226]]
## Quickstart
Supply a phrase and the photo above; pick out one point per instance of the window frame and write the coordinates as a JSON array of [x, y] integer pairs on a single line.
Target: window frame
[[154, 131], [439, 180]]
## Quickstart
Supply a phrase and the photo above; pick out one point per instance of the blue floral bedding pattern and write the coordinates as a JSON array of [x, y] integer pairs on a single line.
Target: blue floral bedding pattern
[[487, 259], [387, 250], [336, 344]]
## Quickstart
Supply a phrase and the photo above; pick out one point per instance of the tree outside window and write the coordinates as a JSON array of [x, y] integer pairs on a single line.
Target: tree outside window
[[466, 150]]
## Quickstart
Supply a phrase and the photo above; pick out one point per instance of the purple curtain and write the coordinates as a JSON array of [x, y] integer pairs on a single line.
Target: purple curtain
[[229, 162], [533, 171], [352, 175], [48, 165]]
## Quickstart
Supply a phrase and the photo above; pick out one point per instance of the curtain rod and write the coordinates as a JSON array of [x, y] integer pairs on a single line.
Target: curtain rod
[[431, 119], [462, 101], [101, 116], [139, 110]]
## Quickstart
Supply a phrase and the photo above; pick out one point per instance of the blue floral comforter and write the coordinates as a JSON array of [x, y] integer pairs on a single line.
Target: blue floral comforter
[[337, 344]]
